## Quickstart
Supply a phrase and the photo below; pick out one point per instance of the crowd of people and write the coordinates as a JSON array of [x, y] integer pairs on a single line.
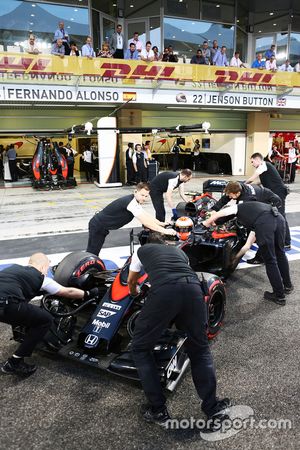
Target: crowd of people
[[118, 47]]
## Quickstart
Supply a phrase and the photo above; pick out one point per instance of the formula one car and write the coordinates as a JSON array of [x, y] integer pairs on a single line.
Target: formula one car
[[98, 332], [49, 167]]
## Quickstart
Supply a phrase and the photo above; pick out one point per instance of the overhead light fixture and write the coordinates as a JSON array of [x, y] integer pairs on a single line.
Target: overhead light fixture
[[193, 23], [259, 31], [68, 26], [71, 18], [173, 37], [237, 20], [114, 4], [32, 15], [271, 13], [182, 30], [219, 34], [217, 6], [30, 23], [75, 10], [274, 24], [131, 6], [33, 5]]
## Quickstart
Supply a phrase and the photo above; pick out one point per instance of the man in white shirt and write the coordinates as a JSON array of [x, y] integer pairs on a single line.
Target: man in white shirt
[[292, 161], [117, 43], [235, 61], [135, 40], [147, 54], [31, 46], [87, 49], [297, 67], [286, 67], [271, 64]]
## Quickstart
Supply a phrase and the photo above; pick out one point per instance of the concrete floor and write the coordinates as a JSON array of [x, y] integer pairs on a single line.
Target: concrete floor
[[68, 406]]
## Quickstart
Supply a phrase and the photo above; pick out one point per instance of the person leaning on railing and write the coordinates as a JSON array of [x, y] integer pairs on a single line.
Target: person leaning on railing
[[105, 51], [31, 46], [58, 48]]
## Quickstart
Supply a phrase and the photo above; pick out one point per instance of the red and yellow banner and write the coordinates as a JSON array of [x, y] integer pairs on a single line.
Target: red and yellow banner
[[50, 69]]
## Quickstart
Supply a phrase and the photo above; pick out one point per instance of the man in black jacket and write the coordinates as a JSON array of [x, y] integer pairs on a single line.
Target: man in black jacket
[[269, 228], [270, 178], [242, 192], [175, 294], [18, 285]]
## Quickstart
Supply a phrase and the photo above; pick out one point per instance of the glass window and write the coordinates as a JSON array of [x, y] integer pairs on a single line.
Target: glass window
[[19, 18], [241, 44], [281, 48], [294, 48], [140, 27], [141, 8], [107, 6], [109, 27], [155, 32], [218, 11], [277, 22], [190, 8], [186, 35], [96, 30]]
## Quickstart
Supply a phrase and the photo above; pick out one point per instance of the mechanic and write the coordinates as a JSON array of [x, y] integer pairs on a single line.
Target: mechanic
[[242, 192], [119, 213], [166, 182], [269, 228], [270, 178], [18, 285], [175, 293]]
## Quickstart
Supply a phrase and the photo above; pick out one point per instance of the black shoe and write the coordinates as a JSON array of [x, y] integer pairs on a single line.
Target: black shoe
[[161, 418], [254, 261], [288, 289], [214, 421], [287, 247], [279, 299], [17, 366]]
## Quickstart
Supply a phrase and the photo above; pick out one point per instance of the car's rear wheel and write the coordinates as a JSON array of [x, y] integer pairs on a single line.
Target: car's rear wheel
[[215, 299]]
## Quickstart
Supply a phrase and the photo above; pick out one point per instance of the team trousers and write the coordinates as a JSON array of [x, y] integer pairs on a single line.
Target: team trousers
[[182, 301], [97, 235], [158, 204], [36, 320]]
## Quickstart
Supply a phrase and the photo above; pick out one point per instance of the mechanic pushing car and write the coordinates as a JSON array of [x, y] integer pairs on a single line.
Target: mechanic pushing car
[[270, 178], [175, 294], [18, 285], [120, 212], [165, 183], [242, 192], [269, 228]]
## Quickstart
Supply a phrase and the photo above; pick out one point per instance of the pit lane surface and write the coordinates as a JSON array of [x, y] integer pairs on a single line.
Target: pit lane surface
[[66, 405]]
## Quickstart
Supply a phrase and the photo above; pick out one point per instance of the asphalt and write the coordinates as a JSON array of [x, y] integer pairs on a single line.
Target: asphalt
[[68, 406]]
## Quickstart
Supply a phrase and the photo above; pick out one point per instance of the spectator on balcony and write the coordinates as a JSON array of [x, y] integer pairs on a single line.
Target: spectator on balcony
[[165, 55], [220, 58], [258, 63], [171, 56], [117, 43], [286, 67], [235, 61], [271, 52], [206, 52], [213, 51], [61, 34], [105, 51], [31, 46], [297, 66], [73, 49], [87, 49], [157, 56], [135, 40], [58, 48], [198, 58], [147, 54], [271, 64], [131, 52]]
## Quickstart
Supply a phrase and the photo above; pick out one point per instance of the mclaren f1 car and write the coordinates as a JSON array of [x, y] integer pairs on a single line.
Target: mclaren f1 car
[[98, 332]]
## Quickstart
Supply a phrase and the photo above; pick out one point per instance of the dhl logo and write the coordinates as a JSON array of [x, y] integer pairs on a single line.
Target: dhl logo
[[152, 72], [9, 63], [232, 76]]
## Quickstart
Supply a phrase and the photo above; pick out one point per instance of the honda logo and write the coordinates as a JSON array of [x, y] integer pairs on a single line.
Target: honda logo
[[91, 340]]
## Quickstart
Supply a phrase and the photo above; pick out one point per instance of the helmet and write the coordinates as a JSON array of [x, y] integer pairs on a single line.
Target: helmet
[[184, 226]]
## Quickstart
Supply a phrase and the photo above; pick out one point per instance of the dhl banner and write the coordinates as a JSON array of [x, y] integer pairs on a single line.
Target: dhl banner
[[48, 69], [104, 95]]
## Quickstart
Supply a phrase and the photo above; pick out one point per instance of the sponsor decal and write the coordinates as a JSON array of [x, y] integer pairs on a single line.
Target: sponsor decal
[[91, 340], [100, 323], [77, 354], [232, 76], [104, 313], [181, 98], [172, 366], [71, 353], [93, 360], [281, 101], [112, 306], [83, 357]]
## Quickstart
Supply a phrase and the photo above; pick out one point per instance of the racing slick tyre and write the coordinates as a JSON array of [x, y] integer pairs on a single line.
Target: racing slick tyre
[[77, 270], [215, 299]]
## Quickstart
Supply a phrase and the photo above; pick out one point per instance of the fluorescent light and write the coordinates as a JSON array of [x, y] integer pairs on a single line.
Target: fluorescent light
[[215, 109], [271, 13], [246, 110], [96, 106], [183, 107], [217, 6], [15, 104], [274, 24]]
